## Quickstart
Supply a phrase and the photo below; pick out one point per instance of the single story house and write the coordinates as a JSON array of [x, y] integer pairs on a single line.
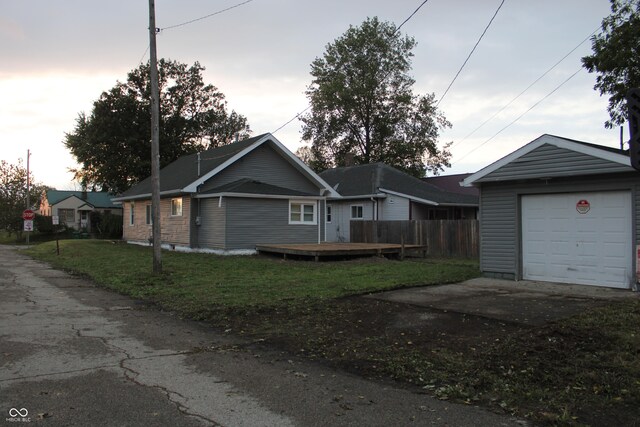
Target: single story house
[[231, 198], [451, 184], [73, 208], [560, 210], [380, 192]]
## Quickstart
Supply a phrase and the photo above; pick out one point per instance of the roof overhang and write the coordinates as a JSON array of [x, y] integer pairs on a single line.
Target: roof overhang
[[257, 196], [146, 196], [473, 179], [410, 197]]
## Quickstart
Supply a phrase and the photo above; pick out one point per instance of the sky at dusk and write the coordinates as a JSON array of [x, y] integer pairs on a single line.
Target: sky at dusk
[[58, 57]]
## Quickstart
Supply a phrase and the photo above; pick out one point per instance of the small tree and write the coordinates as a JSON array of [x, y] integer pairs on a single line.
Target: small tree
[[616, 57], [13, 195], [362, 104]]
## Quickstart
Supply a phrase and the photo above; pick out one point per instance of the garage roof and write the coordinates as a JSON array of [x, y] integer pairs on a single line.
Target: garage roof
[[552, 156]]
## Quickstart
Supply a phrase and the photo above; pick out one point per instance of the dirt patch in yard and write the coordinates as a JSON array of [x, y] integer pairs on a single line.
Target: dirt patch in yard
[[552, 373]]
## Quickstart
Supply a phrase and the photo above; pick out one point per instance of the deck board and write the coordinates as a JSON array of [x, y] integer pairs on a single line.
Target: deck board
[[337, 249]]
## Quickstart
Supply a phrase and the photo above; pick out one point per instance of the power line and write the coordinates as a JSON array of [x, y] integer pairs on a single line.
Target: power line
[[397, 29], [520, 116], [206, 16], [528, 87], [471, 53], [411, 16], [292, 119]]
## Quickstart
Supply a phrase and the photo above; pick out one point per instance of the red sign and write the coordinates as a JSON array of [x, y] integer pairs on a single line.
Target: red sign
[[28, 215], [583, 206]]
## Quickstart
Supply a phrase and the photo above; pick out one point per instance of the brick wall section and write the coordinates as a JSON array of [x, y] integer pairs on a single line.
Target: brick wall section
[[175, 229]]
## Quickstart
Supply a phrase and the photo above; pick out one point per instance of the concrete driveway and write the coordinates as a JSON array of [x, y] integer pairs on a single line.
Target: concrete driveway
[[75, 355], [524, 302]]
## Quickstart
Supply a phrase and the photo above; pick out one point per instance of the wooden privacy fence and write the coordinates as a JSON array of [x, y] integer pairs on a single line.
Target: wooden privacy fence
[[439, 237]]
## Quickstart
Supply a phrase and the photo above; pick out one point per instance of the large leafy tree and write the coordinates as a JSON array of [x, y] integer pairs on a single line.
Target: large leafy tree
[[616, 57], [113, 143], [363, 106], [13, 195]]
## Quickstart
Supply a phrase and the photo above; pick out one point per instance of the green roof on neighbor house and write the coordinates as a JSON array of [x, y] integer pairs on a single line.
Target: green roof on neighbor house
[[97, 199]]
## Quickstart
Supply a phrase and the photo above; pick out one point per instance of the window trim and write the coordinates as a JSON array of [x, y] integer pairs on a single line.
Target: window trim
[[302, 204], [361, 208], [148, 214], [175, 199]]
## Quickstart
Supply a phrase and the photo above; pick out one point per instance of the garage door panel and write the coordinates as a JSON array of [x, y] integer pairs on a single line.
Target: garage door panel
[[563, 245]]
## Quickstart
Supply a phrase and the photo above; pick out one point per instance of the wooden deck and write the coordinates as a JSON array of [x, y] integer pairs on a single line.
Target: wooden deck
[[338, 249]]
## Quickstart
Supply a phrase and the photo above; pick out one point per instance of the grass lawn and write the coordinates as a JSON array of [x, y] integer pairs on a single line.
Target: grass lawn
[[584, 370], [194, 284]]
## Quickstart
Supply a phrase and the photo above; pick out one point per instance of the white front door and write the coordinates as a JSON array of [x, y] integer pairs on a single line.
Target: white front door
[[582, 238]]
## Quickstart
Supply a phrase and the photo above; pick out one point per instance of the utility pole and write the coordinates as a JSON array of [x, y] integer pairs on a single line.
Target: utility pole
[[155, 142], [28, 188]]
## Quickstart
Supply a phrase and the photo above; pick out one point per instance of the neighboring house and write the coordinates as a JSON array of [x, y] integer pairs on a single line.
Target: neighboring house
[[231, 198], [452, 184], [380, 192], [73, 208], [560, 210]]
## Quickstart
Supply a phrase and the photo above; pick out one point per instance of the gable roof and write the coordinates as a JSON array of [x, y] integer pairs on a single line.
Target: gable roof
[[187, 173], [612, 159], [371, 179], [97, 199]]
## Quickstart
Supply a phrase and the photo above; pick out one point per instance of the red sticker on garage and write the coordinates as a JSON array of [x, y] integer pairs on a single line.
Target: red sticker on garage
[[583, 206]]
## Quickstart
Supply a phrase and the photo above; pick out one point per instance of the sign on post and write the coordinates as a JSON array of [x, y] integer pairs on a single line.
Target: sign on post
[[28, 225], [28, 215]]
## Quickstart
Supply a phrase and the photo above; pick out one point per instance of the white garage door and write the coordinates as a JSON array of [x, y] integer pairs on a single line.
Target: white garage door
[[582, 238]]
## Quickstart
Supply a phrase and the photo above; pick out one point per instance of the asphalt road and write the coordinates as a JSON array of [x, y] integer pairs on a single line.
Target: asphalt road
[[73, 354]]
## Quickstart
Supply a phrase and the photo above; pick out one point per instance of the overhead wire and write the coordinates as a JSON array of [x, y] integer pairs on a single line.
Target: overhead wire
[[520, 116], [170, 27], [525, 90], [470, 53], [397, 29]]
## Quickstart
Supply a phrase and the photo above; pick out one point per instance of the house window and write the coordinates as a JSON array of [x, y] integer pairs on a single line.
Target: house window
[[132, 217], [302, 212], [67, 216], [176, 207], [328, 213], [357, 212], [148, 216]]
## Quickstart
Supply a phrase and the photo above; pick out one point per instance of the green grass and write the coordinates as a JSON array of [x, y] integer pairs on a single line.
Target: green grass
[[193, 284]]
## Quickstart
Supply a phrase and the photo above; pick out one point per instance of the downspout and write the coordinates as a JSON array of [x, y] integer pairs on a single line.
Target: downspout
[[374, 214]]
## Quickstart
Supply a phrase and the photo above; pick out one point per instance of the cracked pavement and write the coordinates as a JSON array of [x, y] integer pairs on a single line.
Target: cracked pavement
[[74, 354]]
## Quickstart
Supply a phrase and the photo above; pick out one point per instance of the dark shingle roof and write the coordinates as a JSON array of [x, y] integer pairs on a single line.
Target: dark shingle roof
[[451, 184], [364, 180], [97, 199], [184, 171], [251, 186]]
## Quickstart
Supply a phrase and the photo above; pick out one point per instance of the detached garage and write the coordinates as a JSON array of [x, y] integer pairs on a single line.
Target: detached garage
[[560, 210]]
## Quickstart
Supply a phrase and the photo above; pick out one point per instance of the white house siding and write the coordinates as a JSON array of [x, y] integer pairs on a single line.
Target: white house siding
[[70, 203], [339, 228], [394, 208]]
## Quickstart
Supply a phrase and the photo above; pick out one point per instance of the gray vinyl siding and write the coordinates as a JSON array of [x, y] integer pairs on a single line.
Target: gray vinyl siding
[[548, 161], [211, 231], [498, 230], [500, 246], [263, 221], [265, 165]]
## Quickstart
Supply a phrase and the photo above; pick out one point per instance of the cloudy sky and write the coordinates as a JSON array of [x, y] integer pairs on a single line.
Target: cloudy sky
[[58, 56]]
